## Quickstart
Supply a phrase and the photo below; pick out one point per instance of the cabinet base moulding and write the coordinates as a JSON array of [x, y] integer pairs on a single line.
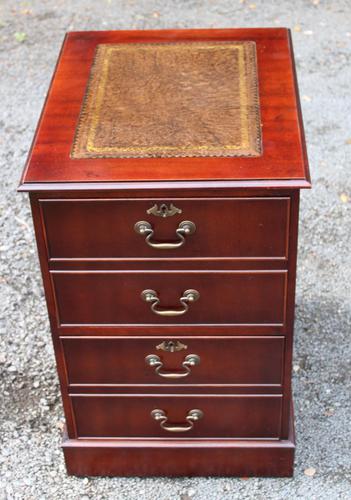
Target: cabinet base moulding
[[180, 457]]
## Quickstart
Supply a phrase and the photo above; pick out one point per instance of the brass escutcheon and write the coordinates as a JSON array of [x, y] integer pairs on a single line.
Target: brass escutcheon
[[171, 346], [164, 211]]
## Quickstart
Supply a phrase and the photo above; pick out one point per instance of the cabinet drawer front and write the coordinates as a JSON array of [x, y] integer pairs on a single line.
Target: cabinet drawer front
[[223, 416], [227, 297], [239, 360], [104, 228]]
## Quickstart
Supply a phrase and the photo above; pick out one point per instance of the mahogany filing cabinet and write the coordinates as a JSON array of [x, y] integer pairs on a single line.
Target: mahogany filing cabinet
[[164, 180]]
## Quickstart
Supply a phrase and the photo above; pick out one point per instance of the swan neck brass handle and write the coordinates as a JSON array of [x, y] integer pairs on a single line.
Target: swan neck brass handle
[[185, 228], [152, 298], [192, 417], [189, 361]]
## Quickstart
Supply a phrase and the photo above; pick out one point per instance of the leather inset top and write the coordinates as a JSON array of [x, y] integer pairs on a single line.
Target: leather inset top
[[170, 99]]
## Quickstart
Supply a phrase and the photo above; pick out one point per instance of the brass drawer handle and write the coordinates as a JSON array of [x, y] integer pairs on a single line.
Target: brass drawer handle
[[189, 361], [185, 228], [192, 417], [187, 297]]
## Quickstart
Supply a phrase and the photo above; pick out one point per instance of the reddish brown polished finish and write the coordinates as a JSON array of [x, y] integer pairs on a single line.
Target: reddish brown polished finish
[[241, 258], [106, 360], [215, 457], [223, 416], [200, 457], [103, 228], [228, 297], [284, 155]]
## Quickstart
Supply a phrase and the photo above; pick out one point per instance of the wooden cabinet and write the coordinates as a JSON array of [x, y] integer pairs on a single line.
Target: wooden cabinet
[[167, 244]]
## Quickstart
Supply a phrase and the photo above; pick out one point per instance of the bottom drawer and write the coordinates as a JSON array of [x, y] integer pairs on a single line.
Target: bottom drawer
[[249, 416]]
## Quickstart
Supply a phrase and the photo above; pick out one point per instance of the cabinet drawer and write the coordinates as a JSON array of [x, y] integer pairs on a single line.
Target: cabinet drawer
[[222, 416], [239, 360], [104, 228], [224, 297]]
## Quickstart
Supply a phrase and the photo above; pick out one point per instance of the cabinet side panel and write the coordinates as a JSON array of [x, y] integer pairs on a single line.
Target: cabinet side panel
[[290, 312], [50, 302]]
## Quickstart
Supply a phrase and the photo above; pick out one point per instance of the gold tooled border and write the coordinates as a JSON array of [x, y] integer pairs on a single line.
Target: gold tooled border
[[247, 148]]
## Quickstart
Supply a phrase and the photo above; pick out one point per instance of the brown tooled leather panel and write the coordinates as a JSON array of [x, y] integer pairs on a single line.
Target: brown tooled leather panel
[[171, 100]]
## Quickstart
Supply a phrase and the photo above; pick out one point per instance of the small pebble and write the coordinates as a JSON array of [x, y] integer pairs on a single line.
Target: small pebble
[[310, 471]]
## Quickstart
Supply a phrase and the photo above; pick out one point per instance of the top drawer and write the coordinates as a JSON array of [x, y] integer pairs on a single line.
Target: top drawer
[[222, 227]]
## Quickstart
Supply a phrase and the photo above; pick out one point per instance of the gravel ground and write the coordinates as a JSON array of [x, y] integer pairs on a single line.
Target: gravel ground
[[31, 415]]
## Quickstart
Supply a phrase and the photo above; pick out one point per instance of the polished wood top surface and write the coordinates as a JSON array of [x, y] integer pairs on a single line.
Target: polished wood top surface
[[282, 161]]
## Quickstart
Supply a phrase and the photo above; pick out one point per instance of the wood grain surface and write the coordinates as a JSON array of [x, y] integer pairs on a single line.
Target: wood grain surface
[[226, 297], [228, 227], [224, 416], [112, 361], [283, 160]]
